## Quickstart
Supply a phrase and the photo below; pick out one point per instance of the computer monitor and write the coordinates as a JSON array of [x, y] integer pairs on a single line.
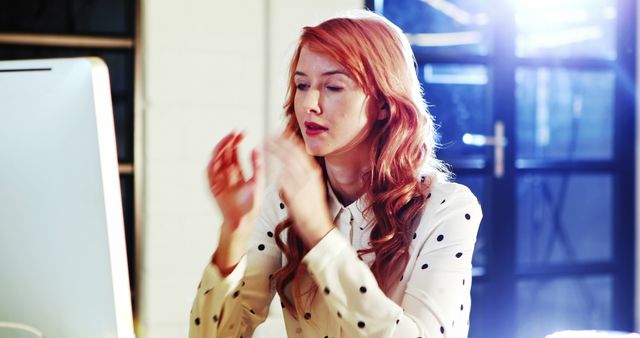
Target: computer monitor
[[63, 264]]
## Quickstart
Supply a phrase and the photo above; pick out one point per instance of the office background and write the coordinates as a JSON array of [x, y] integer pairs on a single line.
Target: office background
[[557, 244]]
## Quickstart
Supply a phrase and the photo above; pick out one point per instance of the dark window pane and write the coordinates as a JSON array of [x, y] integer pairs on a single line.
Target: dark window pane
[[451, 27], [123, 121], [564, 219], [580, 303], [128, 208], [479, 319], [564, 114], [82, 17], [457, 96], [566, 28]]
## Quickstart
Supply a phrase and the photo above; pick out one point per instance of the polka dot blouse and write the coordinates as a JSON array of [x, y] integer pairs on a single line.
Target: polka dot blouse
[[430, 299]]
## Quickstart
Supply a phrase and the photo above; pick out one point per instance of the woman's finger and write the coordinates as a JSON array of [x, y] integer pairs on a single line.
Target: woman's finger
[[258, 177], [235, 170], [217, 170], [295, 146], [290, 161], [224, 142]]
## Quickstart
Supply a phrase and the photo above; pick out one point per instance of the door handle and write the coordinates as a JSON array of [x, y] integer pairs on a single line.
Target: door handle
[[498, 141]]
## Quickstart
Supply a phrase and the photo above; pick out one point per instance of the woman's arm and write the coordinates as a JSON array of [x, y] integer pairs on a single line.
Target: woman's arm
[[233, 296], [438, 283], [235, 304]]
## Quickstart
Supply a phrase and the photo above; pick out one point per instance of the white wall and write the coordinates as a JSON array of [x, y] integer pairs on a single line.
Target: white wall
[[209, 66]]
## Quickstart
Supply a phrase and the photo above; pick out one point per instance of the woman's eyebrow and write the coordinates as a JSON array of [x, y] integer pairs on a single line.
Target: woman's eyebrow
[[331, 72]]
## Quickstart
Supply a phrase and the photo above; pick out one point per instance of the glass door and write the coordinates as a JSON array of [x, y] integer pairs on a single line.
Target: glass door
[[535, 102]]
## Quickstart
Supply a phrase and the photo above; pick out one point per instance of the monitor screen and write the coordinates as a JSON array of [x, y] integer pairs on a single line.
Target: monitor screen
[[63, 265]]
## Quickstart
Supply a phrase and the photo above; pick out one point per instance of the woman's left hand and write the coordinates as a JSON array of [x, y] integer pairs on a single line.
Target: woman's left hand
[[302, 186]]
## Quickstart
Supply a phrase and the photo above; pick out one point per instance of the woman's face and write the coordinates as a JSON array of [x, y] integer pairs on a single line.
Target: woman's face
[[330, 107]]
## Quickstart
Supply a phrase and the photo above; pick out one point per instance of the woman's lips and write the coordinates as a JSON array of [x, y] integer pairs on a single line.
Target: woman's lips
[[312, 128]]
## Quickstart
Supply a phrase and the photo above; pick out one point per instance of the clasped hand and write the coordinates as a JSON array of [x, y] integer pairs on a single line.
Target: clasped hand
[[300, 183]]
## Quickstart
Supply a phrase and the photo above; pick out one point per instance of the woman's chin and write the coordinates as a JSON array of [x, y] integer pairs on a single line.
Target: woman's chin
[[315, 150]]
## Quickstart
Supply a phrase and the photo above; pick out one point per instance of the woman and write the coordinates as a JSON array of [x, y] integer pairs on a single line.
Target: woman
[[361, 235]]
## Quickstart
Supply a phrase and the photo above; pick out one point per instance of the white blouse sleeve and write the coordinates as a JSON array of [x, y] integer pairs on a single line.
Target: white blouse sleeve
[[437, 284], [233, 306]]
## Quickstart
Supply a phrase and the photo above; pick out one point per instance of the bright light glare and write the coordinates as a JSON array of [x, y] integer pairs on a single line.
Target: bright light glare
[[474, 140], [592, 334], [564, 26], [445, 39]]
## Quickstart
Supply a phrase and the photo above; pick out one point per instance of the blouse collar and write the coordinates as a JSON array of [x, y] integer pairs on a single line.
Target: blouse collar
[[356, 209]]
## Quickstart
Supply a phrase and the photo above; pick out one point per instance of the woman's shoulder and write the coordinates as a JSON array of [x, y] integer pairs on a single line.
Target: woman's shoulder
[[442, 193], [448, 204]]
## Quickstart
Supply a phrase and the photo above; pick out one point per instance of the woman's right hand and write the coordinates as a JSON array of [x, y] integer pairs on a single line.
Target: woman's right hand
[[238, 198]]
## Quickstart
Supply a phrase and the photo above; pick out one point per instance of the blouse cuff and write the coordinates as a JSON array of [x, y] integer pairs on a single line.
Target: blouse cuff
[[212, 276], [325, 251]]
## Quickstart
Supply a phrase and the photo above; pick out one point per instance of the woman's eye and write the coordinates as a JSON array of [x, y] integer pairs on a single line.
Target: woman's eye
[[301, 86], [334, 88]]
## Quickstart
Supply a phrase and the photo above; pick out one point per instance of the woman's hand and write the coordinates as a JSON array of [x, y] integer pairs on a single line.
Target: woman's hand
[[303, 189], [238, 198]]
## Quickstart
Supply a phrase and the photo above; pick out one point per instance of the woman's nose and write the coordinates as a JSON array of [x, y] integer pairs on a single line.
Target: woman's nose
[[311, 102]]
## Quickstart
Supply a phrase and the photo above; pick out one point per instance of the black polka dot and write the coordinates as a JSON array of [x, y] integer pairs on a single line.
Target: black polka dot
[[282, 304], [441, 203], [243, 283], [236, 294], [401, 278], [429, 196], [270, 276], [361, 228], [261, 247], [459, 254], [281, 205], [463, 282], [363, 289], [197, 321], [461, 307], [307, 316], [440, 238], [424, 266], [361, 324], [422, 179], [215, 318], [442, 329], [326, 290], [326, 336], [207, 291], [414, 235], [199, 284], [269, 233], [252, 311], [467, 216], [339, 314], [397, 321]]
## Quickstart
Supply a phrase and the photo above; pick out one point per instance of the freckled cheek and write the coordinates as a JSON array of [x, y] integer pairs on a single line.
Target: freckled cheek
[[297, 111]]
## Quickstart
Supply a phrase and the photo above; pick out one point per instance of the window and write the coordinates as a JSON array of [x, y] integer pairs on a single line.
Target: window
[[555, 249]]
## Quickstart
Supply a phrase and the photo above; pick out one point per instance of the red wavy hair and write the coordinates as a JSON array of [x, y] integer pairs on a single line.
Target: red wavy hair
[[378, 57]]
